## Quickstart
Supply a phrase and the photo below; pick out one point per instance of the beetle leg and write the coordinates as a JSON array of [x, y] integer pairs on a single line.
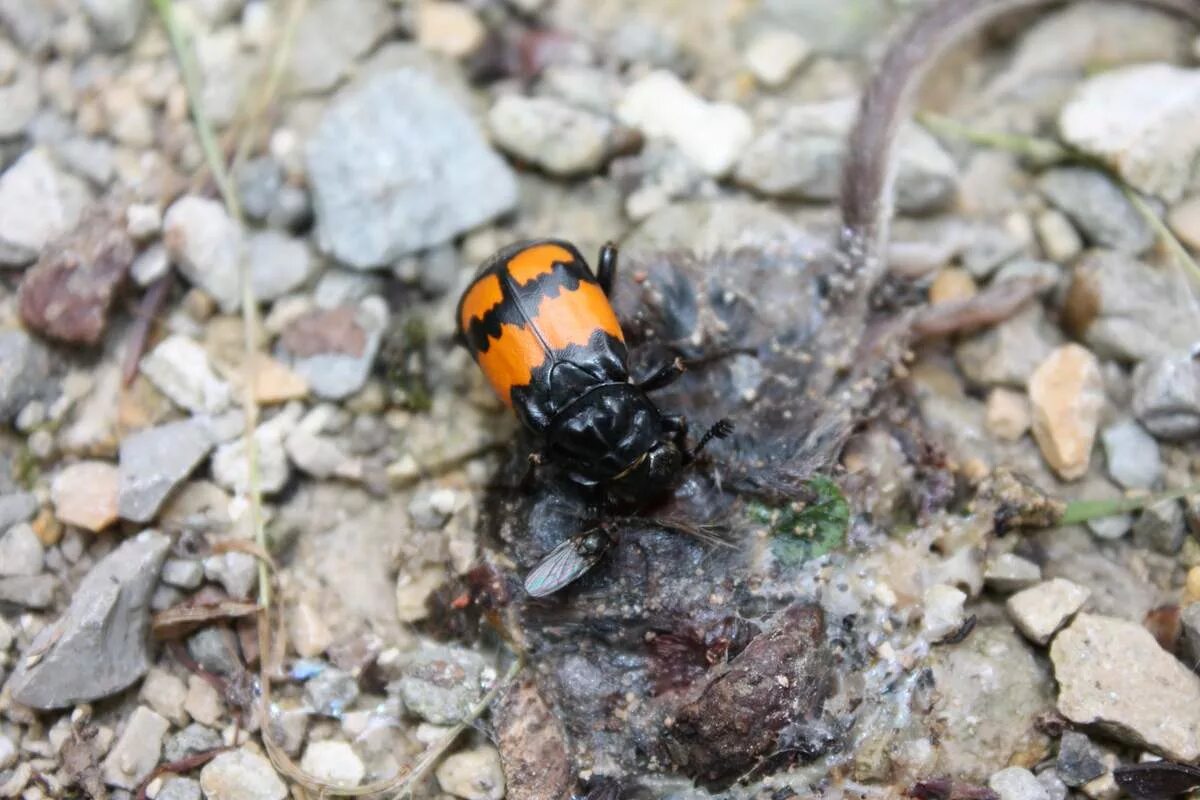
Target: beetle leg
[[720, 429], [674, 423], [606, 267], [664, 376], [536, 459]]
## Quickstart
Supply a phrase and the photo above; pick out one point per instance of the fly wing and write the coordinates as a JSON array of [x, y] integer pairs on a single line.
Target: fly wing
[[564, 564]]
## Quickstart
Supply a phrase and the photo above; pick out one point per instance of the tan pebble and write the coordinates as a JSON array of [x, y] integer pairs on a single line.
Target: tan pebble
[[1191, 590], [47, 527], [1007, 414], [413, 590], [975, 469], [1058, 237], [309, 633], [451, 29], [85, 495], [1066, 392], [1184, 220], [950, 285], [275, 383], [199, 304]]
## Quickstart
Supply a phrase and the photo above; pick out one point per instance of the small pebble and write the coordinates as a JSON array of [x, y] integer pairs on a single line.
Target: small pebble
[[943, 611], [1151, 702], [1131, 455], [143, 220], [1041, 610], [1007, 415], [203, 702], [712, 135], [333, 762], [137, 750], [1166, 395], [177, 788], [193, 739], [206, 244], [1161, 527], [1079, 761], [150, 264], [85, 494], [331, 692], [1058, 237], [1184, 219], [413, 592], [548, 133], [234, 570], [308, 632], [473, 774], [8, 752], [451, 29], [951, 285], [774, 56], [1010, 573], [241, 775], [180, 369], [1189, 641], [166, 694], [1017, 783], [21, 551], [184, 573], [1066, 393]]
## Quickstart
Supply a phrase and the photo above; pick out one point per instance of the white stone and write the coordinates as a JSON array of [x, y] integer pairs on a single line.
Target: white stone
[[943, 610], [143, 220], [711, 135], [1017, 783], [229, 461], [451, 29], [773, 56], [1113, 675], [241, 775], [1041, 610], [203, 702], [1007, 572], [38, 202], [333, 762], [207, 246], [1132, 455], [308, 632], [166, 694], [137, 752], [1007, 414], [180, 369], [1143, 120], [559, 138], [8, 752], [473, 774], [21, 551], [413, 590], [150, 264]]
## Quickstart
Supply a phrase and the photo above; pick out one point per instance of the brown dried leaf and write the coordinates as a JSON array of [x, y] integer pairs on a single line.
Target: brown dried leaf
[[180, 620]]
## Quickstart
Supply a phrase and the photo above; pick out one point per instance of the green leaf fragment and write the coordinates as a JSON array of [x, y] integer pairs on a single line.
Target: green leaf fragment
[[800, 533]]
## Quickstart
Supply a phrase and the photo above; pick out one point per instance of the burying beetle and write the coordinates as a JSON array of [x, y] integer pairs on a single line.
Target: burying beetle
[[539, 324]]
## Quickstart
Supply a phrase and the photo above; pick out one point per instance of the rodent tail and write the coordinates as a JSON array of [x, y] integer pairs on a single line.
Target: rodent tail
[[866, 196]]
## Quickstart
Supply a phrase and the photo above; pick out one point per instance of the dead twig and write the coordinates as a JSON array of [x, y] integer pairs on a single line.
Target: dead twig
[[148, 310], [991, 306], [179, 767]]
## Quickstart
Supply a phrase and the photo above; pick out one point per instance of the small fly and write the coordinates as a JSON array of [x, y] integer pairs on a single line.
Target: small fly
[[567, 562]]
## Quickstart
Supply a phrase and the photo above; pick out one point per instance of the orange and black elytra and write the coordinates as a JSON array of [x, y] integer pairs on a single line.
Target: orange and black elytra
[[539, 324]]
